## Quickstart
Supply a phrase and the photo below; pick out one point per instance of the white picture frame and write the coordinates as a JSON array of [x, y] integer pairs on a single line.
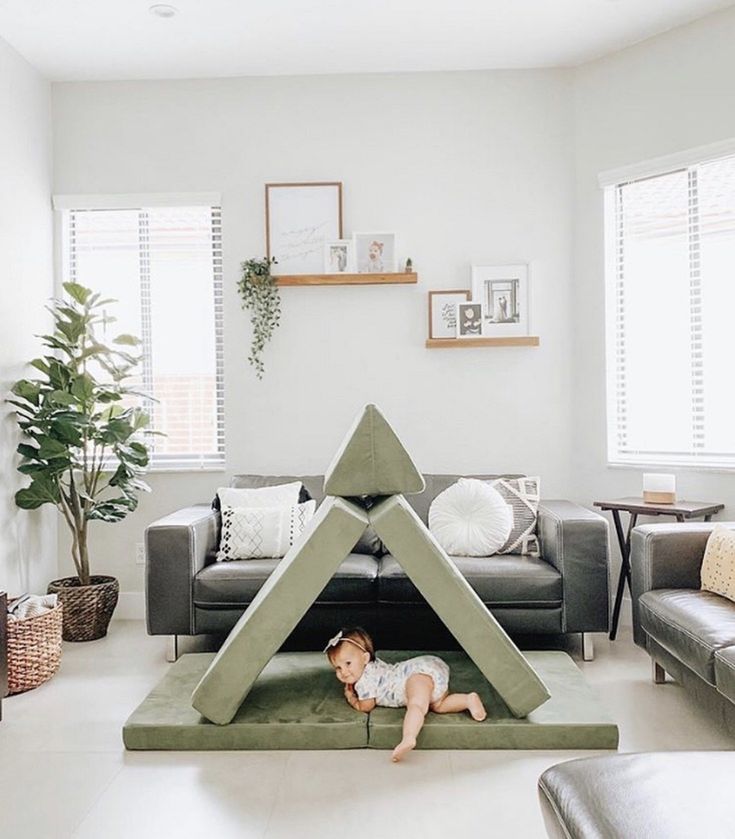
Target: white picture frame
[[469, 320], [375, 253], [503, 292], [339, 256], [299, 219]]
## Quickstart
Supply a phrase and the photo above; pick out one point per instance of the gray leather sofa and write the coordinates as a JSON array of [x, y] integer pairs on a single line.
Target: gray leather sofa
[[565, 591], [661, 795], [688, 633]]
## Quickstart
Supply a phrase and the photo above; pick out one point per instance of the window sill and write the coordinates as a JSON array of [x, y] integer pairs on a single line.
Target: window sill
[[678, 467]]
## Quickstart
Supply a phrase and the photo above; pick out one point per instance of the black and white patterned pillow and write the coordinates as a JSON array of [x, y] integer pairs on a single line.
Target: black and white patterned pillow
[[260, 532], [523, 495]]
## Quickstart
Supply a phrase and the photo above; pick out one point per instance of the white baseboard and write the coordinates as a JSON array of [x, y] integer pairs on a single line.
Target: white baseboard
[[130, 606]]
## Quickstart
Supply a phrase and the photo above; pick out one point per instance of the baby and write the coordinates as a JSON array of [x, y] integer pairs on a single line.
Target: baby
[[419, 684], [374, 264]]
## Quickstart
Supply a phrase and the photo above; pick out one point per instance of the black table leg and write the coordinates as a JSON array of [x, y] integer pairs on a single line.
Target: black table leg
[[624, 544]]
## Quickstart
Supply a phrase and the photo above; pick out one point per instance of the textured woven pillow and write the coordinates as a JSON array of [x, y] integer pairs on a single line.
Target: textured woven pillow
[[259, 532], [470, 518], [718, 565], [281, 495], [523, 495]]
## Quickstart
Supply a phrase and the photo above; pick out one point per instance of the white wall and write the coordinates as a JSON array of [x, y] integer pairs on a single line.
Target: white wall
[[671, 93], [27, 539], [465, 167]]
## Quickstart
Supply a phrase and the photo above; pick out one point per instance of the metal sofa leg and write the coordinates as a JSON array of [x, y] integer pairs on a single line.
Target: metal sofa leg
[[588, 647], [172, 648], [658, 674]]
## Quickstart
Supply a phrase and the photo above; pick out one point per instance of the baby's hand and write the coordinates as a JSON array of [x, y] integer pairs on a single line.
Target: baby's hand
[[350, 695]]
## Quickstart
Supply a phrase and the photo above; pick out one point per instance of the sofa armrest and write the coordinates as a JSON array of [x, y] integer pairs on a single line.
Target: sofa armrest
[[575, 541], [177, 548], [665, 556]]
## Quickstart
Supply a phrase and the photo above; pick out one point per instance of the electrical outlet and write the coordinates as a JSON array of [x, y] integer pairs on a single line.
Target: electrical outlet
[[140, 554]]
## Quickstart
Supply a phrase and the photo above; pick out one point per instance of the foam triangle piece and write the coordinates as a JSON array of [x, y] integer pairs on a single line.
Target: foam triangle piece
[[372, 461], [280, 604], [453, 599]]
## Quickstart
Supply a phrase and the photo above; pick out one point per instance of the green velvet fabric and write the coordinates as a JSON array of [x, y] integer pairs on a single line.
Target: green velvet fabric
[[453, 599], [372, 461], [297, 703], [571, 719], [279, 605]]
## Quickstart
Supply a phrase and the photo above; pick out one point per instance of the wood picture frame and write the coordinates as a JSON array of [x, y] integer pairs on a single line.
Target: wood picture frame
[[299, 219], [443, 312]]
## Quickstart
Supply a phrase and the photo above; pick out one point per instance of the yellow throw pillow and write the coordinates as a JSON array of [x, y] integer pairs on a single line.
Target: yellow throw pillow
[[718, 565]]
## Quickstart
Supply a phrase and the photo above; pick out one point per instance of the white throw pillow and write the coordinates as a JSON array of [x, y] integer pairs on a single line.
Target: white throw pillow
[[259, 532], [718, 565], [281, 495], [470, 518]]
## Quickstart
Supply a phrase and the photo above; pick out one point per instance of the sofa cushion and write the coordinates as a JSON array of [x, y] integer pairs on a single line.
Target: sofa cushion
[[691, 624], [725, 672], [236, 583], [314, 486], [509, 580]]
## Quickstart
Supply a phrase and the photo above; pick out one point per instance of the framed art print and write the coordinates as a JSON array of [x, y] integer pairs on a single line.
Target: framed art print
[[299, 219], [503, 292], [443, 312]]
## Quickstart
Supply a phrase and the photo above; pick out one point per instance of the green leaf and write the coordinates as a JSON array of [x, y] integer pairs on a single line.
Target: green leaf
[[78, 292], [41, 365], [60, 397], [52, 448], [43, 490], [127, 340], [30, 391], [83, 387], [28, 451]]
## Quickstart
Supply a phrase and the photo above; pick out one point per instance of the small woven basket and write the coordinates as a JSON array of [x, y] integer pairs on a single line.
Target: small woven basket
[[34, 649], [88, 608]]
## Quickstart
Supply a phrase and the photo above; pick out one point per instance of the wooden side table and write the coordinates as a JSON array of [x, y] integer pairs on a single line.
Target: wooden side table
[[635, 507]]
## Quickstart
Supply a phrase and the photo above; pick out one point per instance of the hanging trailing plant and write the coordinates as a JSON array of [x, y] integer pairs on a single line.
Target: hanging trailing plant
[[261, 297]]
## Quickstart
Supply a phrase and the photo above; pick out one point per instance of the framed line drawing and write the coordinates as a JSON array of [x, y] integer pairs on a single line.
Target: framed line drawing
[[503, 292], [443, 312], [299, 219]]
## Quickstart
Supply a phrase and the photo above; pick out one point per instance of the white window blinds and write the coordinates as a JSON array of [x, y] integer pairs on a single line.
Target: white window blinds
[[163, 264], [670, 276]]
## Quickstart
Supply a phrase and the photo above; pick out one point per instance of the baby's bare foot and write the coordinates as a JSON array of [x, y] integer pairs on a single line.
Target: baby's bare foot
[[475, 707], [402, 749]]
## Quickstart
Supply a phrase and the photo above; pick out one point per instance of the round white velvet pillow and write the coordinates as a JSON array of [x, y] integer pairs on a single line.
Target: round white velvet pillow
[[470, 518]]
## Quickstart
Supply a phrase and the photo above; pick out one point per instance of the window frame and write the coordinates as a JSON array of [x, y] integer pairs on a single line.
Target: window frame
[[610, 181], [63, 205]]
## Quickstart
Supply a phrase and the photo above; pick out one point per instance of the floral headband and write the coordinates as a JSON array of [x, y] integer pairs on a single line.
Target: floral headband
[[338, 638]]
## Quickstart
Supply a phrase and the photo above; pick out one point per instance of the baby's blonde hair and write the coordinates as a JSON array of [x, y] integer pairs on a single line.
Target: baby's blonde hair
[[358, 637]]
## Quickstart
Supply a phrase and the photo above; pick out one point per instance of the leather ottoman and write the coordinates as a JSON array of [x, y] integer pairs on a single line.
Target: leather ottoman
[[659, 795]]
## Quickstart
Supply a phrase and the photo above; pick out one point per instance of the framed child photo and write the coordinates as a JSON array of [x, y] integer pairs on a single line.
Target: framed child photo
[[339, 257], [469, 320], [375, 253], [443, 312], [503, 292]]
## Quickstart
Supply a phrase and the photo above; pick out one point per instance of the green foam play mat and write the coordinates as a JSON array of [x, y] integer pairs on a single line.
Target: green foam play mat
[[297, 703]]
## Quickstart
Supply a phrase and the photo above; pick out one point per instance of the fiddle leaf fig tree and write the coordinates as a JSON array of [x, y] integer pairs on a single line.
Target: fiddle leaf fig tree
[[84, 450], [261, 297]]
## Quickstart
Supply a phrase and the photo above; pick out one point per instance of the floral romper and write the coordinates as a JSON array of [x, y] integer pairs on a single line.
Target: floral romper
[[386, 683]]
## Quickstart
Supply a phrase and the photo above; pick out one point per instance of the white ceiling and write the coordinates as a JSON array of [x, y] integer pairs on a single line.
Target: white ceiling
[[120, 39]]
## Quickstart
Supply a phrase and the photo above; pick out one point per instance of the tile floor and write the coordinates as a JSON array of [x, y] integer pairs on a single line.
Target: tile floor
[[64, 773]]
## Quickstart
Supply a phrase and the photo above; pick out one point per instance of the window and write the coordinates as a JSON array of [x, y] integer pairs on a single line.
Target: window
[[162, 261], [670, 276]]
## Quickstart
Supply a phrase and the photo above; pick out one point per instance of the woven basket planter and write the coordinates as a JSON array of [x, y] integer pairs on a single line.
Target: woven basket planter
[[34, 649], [87, 609]]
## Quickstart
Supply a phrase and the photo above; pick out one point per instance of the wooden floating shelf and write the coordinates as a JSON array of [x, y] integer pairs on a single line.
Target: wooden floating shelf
[[509, 341], [347, 279]]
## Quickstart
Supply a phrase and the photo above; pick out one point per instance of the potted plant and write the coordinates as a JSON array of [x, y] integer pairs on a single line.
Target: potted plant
[[260, 295], [84, 452]]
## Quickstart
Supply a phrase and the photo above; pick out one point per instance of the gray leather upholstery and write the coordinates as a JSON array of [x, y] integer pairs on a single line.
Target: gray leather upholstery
[[725, 672], [236, 583], [670, 795], [566, 590], [508, 580], [690, 624], [575, 541]]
